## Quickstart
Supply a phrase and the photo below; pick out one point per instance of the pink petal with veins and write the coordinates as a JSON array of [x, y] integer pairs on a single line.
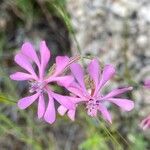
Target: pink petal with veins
[[125, 104], [62, 110], [145, 124], [94, 71], [117, 92], [28, 50], [78, 73], [107, 74], [71, 114], [62, 80], [61, 64], [147, 83], [76, 89], [27, 101], [105, 113], [22, 61], [45, 56], [21, 76], [50, 114], [63, 100], [41, 106]]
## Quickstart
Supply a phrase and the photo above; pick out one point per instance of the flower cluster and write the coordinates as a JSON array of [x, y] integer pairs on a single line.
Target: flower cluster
[[81, 92]]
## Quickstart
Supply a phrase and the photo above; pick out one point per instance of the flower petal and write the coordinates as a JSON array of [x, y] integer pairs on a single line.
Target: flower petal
[[22, 61], [147, 83], [145, 124], [45, 56], [50, 114], [62, 110], [19, 76], [61, 63], [63, 100], [71, 114], [78, 73], [76, 90], [28, 50], [94, 71], [76, 100], [41, 106], [106, 115], [63, 81], [27, 101], [107, 74], [117, 92], [125, 104]]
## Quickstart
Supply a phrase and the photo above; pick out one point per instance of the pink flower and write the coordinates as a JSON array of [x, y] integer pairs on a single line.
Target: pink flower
[[145, 124], [39, 83], [147, 83], [70, 112], [93, 98]]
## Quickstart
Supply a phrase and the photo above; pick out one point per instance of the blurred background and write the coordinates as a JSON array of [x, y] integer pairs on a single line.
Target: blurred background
[[115, 31]]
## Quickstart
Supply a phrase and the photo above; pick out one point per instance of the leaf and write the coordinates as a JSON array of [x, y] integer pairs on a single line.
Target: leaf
[[8, 126], [6, 100], [94, 142]]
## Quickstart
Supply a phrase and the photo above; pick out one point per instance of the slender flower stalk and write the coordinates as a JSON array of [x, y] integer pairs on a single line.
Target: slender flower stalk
[[93, 97], [40, 82]]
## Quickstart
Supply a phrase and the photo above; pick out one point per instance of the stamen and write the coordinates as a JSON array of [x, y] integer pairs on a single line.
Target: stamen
[[92, 107], [37, 87]]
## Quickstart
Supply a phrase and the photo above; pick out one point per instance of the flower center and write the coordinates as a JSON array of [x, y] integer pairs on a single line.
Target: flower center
[[92, 107], [37, 86]]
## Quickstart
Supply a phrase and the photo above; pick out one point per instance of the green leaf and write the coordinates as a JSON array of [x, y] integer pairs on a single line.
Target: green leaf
[[94, 142], [6, 100], [138, 141]]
